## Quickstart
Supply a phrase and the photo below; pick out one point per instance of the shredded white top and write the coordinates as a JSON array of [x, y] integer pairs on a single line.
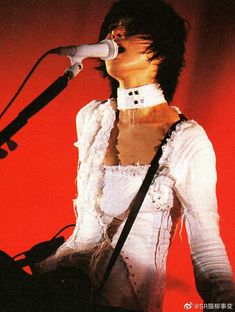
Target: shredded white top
[[183, 187]]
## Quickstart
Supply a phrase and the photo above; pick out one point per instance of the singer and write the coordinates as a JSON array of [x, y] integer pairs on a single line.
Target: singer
[[117, 140]]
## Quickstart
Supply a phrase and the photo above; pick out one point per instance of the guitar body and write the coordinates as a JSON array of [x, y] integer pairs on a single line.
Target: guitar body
[[66, 289]]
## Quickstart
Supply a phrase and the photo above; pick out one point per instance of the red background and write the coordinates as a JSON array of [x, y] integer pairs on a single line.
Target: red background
[[38, 179]]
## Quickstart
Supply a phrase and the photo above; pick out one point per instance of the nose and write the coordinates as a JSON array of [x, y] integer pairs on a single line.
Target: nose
[[118, 33]]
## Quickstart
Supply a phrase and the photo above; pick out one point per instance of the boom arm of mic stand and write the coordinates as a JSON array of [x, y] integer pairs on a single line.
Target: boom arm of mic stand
[[37, 104]]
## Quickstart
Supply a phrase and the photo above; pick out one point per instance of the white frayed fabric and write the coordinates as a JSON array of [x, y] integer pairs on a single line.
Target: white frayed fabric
[[183, 187]]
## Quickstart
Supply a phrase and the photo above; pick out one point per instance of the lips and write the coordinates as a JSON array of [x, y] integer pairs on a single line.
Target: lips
[[121, 49]]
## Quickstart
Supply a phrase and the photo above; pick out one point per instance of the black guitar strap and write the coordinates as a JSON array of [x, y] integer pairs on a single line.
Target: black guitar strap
[[136, 203]]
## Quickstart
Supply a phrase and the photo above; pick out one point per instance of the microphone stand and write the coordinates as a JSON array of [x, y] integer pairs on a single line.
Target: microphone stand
[[35, 106]]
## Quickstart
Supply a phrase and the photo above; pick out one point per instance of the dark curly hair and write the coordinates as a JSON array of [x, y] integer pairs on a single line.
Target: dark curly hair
[[159, 22]]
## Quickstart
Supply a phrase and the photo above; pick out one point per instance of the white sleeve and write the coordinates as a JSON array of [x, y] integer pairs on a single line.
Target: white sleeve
[[197, 194]]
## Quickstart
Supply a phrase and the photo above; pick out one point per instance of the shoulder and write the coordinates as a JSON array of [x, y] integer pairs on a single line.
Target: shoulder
[[191, 136], [88, 110], [193, 151], [187, 144]]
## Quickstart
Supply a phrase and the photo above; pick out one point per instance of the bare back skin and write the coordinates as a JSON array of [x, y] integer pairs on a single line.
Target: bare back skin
[[137, 134]]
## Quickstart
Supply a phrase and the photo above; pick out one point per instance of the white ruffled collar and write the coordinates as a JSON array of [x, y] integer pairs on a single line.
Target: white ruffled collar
[[140, 97]]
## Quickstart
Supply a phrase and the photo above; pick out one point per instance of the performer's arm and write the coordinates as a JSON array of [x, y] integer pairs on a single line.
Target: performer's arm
[[196, 191]]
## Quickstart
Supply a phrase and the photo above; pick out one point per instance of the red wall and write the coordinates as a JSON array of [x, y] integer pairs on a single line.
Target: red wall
[[38, 179]]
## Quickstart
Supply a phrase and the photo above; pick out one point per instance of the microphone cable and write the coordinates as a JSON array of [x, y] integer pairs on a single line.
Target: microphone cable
[[24, 82]]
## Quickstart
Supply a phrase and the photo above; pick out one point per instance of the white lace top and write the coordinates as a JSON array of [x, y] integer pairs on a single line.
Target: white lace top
[[184, 187]]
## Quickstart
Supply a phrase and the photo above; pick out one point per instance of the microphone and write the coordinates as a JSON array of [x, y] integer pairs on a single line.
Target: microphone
[[105, 50]]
